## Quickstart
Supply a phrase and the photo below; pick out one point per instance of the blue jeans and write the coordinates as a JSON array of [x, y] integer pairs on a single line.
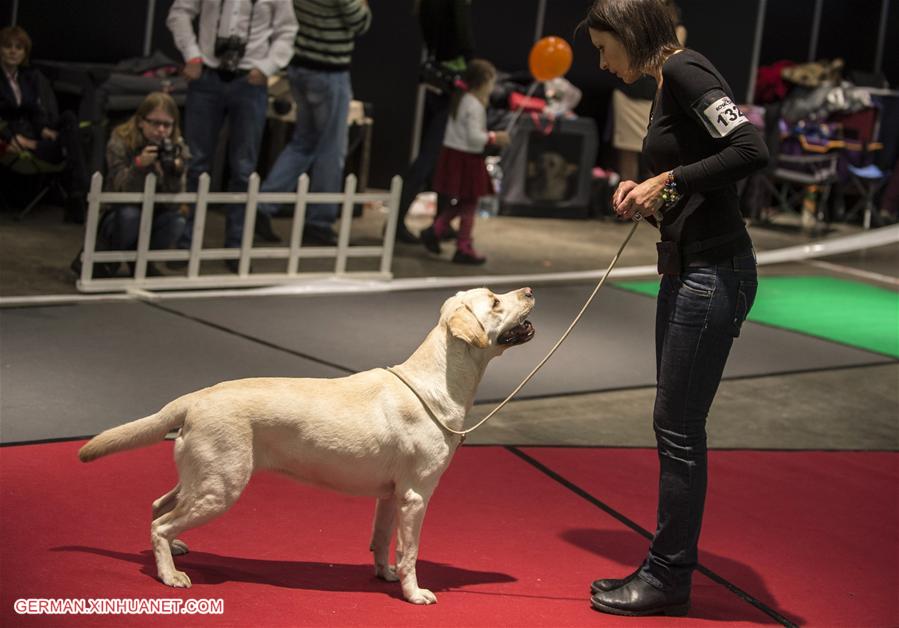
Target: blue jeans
[[422, 169], [699, 313], [121, 224], [319, 141], [209, 99]]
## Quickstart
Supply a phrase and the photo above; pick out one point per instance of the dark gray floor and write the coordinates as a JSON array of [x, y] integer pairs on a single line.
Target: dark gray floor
[[75, 370], [611, 348]]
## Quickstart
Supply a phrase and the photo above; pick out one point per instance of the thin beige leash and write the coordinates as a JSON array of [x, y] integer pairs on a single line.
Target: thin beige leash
[[637, 219]]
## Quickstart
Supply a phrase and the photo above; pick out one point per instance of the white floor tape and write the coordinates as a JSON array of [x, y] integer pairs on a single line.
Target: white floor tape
[[866, 240]]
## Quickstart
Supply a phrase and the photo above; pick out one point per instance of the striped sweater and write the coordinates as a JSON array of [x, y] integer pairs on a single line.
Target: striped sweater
[[327, 32]]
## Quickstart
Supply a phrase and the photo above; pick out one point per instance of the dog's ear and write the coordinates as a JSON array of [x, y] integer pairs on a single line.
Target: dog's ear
[[464, 326]]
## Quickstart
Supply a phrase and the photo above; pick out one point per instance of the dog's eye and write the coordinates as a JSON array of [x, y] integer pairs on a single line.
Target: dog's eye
[[495, 303]]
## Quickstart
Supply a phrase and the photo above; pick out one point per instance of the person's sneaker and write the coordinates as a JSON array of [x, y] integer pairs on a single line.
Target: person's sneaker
[[314, 235], [151, 270], [176, 264], [429, 238], [263, 228], [405, 236], [76, 263], [234, 266], [468, 257], [449, 234]]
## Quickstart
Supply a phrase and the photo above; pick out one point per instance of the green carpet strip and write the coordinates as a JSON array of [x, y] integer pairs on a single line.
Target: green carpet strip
[[844, 311]]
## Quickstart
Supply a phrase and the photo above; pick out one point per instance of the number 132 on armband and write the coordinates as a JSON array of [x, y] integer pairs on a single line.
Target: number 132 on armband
[[723, 116]]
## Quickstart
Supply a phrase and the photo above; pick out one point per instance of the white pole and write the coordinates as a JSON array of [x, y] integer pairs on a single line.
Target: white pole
[[816, 28], [420, 95], [396, 189], [249, 225], [756, 49], [148, 27], [346, 221], [146, 227], [299, 221], [881, 35], [196, 242], [541, 15], [90, 229]]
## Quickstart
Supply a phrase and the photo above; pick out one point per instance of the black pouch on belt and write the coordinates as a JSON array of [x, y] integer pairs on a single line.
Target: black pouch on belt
[[669, 258]]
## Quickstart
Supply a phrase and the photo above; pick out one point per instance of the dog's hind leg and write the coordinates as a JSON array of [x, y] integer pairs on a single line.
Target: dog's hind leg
[[382, 532], [210, 484], [163, 505], [411, 511]]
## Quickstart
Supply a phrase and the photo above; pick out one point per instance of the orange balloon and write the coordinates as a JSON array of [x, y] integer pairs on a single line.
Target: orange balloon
[[550, 58]]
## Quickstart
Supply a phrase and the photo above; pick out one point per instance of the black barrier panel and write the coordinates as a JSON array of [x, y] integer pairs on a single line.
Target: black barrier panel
[[96, 31]]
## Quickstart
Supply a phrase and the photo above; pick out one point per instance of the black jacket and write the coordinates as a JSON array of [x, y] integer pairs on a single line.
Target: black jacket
[[29, 117], [446, 28]]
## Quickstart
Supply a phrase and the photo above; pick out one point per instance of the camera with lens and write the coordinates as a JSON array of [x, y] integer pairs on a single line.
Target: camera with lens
[[230, 51], [167, 153]]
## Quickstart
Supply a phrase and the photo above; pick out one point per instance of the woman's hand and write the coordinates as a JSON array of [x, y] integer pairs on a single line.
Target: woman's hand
[[193, 69], [257, 77], [20, 144], [501, 138], [642, 198], [147, 156], [49, 134], [620, 192]]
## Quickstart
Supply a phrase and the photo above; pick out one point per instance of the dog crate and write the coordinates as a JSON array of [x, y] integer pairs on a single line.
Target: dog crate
[[547, 168]]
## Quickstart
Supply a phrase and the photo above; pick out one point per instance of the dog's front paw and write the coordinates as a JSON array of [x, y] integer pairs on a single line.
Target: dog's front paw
[[177, 579], [386, 572], [179, 547], [422, 596]]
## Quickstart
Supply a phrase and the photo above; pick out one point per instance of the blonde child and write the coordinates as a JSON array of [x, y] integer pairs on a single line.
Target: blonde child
[[461, 175]]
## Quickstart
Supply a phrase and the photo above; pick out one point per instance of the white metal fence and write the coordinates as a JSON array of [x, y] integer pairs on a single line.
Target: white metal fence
[[293, 252]]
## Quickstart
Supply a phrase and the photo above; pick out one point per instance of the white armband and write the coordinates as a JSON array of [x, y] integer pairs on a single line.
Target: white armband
[[719, 113]]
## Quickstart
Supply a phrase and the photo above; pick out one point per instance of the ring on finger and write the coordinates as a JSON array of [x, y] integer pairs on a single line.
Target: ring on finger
[[638, 216]]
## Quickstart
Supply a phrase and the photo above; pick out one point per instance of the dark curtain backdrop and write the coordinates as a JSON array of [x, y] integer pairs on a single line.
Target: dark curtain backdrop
[[386, 61], [890, 54], [5, 12], [788, 31], [849, 30], [83, 30]]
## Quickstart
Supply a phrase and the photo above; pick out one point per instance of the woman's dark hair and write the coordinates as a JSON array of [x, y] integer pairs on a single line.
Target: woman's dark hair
[[645, 28], [477, 73], [16, 34]]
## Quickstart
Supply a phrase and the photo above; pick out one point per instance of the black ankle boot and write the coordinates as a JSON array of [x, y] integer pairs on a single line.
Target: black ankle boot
[[405, 236], [639, 598], [607, 584], [430, 240]]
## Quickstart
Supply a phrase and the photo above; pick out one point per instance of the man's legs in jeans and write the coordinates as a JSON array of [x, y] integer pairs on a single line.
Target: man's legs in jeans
[[246, 106], [319, 141], [421, 170], [204, 113]]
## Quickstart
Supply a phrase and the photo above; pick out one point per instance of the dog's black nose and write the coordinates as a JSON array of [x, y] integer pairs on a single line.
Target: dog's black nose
[[528, 293]]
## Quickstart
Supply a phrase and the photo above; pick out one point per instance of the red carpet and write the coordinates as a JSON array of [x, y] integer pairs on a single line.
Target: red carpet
[[503, 544], [812, 535]]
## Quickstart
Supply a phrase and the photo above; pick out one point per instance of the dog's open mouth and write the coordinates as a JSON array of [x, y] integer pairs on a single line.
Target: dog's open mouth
[[517, 335]]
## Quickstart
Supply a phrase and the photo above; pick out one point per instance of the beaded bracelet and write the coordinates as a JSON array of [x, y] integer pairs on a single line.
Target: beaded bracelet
[[669, 194]]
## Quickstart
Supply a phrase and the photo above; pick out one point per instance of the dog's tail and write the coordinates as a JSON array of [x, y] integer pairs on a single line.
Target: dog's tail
[[139, 433]]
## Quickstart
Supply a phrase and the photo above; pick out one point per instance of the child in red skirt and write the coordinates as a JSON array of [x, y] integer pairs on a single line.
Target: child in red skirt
[[461, 175]]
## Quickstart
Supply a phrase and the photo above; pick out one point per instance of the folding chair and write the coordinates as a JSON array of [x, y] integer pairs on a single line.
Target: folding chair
[[45, 175], [860, 132], [804, 170]]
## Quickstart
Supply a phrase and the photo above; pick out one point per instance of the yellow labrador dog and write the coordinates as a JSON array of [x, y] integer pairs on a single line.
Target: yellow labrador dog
[[372, 433]]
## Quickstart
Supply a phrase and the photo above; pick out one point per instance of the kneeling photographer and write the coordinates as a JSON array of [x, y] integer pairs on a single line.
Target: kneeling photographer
[[150, 141]]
